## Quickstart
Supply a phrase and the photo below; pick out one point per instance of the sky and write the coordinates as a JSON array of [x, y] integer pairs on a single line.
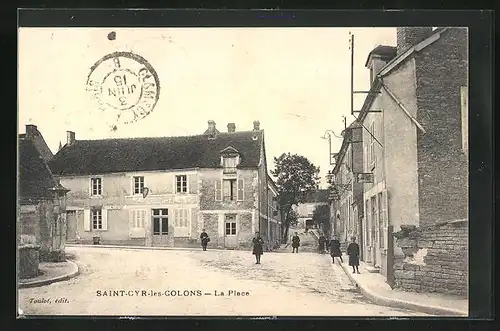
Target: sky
[[295, 81]]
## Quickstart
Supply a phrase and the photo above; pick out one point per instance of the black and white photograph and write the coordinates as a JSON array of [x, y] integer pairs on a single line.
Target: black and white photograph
[[243, 171]]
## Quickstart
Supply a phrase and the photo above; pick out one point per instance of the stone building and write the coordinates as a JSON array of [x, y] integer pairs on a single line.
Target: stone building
[[347, 199], [41, 200], [273, 215], [305, 210], [415, 152], [164, 191]]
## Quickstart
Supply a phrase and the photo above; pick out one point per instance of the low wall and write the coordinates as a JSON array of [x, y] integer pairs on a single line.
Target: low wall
[[432, 259]]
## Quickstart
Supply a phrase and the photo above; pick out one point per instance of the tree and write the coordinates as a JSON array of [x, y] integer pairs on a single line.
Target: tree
[[321, 216], [296, 177]]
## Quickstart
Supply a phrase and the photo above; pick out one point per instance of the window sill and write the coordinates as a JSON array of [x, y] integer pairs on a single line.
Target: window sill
[[97, 196]]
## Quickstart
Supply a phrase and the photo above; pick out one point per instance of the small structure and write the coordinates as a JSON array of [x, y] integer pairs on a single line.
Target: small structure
[[41, 210]]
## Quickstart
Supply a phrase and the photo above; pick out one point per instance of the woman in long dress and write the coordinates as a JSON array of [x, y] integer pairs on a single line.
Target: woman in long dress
[[353, 252], [258, 243]]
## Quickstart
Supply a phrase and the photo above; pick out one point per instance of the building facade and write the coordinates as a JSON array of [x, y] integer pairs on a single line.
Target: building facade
[[164, 191], [347, 200], [415, 153], [305, 210]]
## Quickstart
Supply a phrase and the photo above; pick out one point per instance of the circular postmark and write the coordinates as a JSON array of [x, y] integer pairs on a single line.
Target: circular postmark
[[126, 83]]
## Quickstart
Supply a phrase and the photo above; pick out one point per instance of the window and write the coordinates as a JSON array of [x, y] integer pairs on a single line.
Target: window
[[138, 218], [229, 164], [229, 189], [96, 186], [138, 184], [230, 225], [372, 144], [181, 183], [160, 221], [96, 216], [464, 95]]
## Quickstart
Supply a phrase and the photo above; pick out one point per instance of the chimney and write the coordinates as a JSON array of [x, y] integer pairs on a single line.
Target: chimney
[[71, 138], [31, 131], [408, 37], [211, 125], [256, 125], [231, 127]]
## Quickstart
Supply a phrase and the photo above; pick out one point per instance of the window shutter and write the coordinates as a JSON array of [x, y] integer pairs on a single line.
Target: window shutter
[[385, 215], [218, 190], [365, 157], [369, 220], [104, 219], [241, 187], [86, 219]]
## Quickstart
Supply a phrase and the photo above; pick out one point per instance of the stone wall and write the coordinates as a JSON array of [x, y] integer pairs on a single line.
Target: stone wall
[[432, 259], [441, 72]]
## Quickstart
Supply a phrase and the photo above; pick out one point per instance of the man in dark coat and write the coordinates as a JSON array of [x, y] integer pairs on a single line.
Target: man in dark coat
[[257, 247], [353, 252], [335, 249], [204, 239], [295, 243], [321, 244]]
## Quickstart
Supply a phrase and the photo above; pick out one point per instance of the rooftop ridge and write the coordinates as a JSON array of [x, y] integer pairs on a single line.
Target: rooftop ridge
[[163, 137]]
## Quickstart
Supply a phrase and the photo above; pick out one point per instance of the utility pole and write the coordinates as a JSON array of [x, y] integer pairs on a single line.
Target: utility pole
[[351, 47]]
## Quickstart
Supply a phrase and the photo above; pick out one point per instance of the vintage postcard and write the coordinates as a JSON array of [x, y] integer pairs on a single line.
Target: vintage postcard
[[243, 171]]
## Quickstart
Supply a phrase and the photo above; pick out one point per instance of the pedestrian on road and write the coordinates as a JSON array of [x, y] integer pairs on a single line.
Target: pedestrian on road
[[295, 243], [257, 247], [205, 239], [353, 252], [321, 244], [335, 249]]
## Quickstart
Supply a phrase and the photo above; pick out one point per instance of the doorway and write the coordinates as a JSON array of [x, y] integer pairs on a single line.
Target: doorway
[[230, 231], [160, 226], [71, 225]]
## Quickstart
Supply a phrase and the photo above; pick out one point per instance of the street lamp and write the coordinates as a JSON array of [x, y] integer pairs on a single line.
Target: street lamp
[[328, 135]]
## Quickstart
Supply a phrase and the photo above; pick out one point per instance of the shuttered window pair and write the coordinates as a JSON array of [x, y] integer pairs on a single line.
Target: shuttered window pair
[[229, 189]]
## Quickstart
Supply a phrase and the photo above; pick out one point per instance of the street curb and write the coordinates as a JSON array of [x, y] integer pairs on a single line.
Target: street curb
[[37, 283], [156, 248], [396, 303]]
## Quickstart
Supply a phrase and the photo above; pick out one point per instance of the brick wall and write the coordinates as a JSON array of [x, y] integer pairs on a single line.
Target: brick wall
[[441, 70], [433, 259]]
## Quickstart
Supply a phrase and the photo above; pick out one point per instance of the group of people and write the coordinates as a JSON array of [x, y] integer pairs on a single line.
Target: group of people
[[333, 247]]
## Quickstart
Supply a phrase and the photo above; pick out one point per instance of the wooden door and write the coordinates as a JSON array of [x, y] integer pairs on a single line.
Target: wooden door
[[71, 225], [373, 222], [160, 227], [230, 231]]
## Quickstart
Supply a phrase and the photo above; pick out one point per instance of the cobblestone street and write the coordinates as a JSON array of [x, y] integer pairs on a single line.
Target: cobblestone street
[[285, 284]]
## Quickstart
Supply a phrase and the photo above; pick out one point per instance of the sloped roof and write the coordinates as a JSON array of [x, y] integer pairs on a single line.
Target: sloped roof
[[386, 53], [317, 196], [86, 157], [35, 178]]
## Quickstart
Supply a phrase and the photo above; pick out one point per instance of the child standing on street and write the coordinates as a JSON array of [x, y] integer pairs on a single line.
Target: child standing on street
[[335, 249], [257, 247], [295, 243]]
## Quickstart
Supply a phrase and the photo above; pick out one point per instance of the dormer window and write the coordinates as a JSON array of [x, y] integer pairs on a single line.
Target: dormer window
[[229, 164], [230, 159]]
